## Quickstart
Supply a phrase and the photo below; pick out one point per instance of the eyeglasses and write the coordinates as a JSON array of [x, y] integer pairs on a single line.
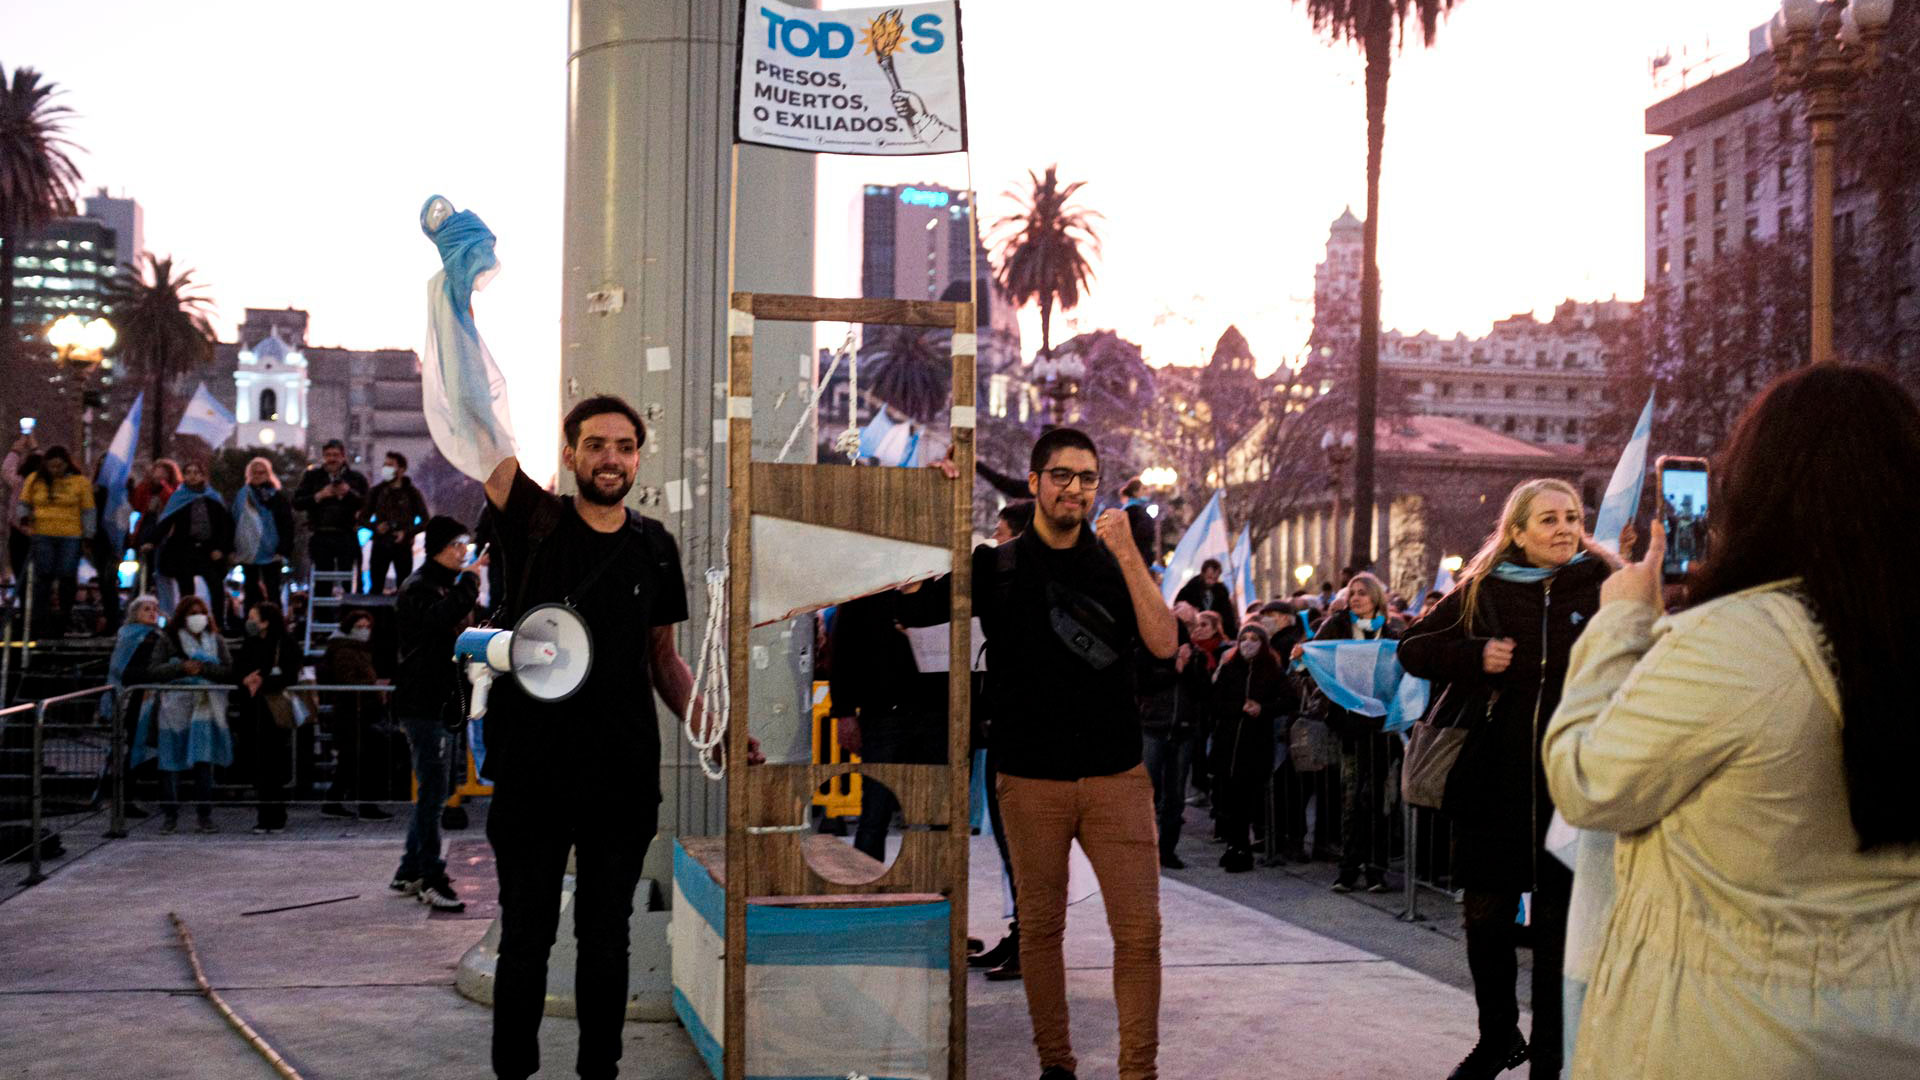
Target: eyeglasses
[[1064, 478]]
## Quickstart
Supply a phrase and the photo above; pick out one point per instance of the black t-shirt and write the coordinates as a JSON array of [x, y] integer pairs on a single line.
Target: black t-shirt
[[605, 739], [1055, 715]]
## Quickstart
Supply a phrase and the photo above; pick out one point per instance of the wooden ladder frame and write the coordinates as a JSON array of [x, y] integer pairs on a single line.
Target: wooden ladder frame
[[765, 861]]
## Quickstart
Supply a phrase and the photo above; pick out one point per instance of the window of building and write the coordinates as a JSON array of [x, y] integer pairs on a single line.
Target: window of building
[[1540, 393], [1660, 176], [1786, 181], [1751, 141], [1753, 184], [1446, 389], [1572, 361], [997, 395], [1539, 425], [1719, 196], [1511, 390], [269, 405], [1661, 264], [1843, 228], [1719, 151], [1786, 125], [1573, 393], [1660, 218], [1753, 229], [1686, 254], [1511, 423], [1479, 391], [1540, 358], [1511, 356], [1687, 213], [1572, 428], [1687, 295], [1686, 166], [1786, 220], [1719, 240]]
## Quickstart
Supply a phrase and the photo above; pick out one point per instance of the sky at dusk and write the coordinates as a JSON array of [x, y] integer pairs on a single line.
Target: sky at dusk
[[283, 152]]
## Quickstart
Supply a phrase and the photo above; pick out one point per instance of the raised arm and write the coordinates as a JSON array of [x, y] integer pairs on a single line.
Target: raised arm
[[500, 483], [1159, 631]]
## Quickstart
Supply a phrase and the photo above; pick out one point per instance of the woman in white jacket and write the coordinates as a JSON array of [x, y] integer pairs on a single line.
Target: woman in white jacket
[[1755, 755]]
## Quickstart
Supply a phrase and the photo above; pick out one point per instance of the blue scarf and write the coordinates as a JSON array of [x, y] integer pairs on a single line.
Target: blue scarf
[[124, 646], [183, 496], [1531, 575], [256, 519]]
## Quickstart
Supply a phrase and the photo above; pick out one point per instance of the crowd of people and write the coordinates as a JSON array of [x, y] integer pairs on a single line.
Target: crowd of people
[[189, 537]]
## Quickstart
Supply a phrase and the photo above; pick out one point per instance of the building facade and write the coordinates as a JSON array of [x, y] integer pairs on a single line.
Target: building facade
[[61, 269], [128, 222]]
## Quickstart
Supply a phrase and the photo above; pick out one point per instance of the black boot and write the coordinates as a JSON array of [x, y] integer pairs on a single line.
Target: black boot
[[1171, 860], [1008, 971], [1491, 1056], [1007, 949], [1237, 860]]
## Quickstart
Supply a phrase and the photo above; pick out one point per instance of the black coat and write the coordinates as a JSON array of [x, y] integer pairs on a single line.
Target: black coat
[[278, 661], [330, 515], [1216, 598], [434, 605], [1263, 681], [1497, 794], [180, 554]]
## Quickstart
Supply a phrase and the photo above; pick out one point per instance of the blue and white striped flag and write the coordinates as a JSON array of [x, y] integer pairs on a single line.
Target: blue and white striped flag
[[463, 393], [206, 417], [1623, 491], [1206, 539], [1241, 567], [116, 514], [1365, 677]]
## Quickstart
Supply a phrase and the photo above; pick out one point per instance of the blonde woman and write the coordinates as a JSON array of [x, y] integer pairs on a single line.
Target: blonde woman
[[262, 533], [1496, 649]]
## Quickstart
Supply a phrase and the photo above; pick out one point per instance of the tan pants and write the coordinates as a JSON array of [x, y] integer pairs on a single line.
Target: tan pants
[[1112, 817]]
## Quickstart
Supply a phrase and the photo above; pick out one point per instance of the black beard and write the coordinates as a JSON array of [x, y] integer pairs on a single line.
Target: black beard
[[591, 492]]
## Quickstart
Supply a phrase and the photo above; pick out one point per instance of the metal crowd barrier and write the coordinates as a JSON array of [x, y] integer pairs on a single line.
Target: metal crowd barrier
[[80, 762]]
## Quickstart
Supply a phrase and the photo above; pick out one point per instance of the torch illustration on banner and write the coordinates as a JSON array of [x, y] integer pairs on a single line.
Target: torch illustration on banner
[[883, 37]]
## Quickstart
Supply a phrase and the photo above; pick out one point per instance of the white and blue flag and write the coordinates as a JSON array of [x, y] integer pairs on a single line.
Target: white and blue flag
[[1206, 539], [463, 393], [1241, 567], [117, 514], [206, 418], [1623, 491], [1365, 677]]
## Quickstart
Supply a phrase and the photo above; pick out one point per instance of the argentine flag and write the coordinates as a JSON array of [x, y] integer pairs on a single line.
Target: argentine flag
[[1623, 491], [1240, 566], [463, 393], [1365, 677], [1206, 539], [206, 418], [114, 469]]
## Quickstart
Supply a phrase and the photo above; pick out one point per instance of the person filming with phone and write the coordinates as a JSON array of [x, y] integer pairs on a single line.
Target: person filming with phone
[[1755, 754]]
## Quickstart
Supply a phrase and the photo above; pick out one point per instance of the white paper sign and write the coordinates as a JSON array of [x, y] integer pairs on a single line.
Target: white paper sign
[[871, 80], [932, 646]]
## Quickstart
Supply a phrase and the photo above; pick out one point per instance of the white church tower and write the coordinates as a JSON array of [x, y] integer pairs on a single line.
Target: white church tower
[[270, 394]]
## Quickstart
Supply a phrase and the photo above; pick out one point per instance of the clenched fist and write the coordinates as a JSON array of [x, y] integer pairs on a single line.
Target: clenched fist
[[1498, 656], [1116, 532]]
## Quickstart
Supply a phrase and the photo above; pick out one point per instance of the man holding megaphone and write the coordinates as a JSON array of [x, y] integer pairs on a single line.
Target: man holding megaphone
[[583, 773]]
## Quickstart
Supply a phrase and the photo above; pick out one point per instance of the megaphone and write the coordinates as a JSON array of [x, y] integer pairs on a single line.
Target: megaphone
[[548, 652]]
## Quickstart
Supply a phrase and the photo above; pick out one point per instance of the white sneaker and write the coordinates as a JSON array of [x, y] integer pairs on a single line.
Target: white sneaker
[[439, 896], [405, 886]]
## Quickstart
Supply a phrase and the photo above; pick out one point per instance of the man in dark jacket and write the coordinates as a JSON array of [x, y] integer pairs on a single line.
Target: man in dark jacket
[[395, 511], [435, 604], [330, 495], [1208, 593], [885, 708]]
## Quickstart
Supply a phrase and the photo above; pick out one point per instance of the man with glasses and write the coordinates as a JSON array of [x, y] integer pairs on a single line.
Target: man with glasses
[[1067, 610]]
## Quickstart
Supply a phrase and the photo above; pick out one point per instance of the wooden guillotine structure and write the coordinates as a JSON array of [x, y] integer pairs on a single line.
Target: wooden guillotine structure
[[802, 537]]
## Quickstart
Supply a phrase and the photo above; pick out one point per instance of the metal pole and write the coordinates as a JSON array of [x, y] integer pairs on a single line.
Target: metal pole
[[1822, 118], [34, 876], [6, 652], [1411, 837], [26, 618], [117, 763]]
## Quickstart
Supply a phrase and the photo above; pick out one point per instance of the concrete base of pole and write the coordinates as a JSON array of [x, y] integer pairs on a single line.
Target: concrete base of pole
[[649, 963]]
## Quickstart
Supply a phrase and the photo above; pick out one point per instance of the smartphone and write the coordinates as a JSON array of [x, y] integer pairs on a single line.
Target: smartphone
[[26, 425], [1683, 510]]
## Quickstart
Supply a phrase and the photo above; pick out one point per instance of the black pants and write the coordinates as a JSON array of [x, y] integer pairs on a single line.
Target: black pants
[[333, 550], [270, 758], [381, 556], [1242, 764], [899, 737], [1492, 935], [992, 771], [261, 584], [1168, 755], [531, 836], [1366, 834], [363, 755], [217, 601]]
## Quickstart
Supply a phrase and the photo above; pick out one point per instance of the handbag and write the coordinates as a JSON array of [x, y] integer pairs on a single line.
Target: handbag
[[290, 709], [1311, 744], [1433, 748]]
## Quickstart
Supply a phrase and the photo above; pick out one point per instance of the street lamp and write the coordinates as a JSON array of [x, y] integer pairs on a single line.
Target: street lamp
[[82, 345], [1339, 448], [1159, 476], [1303, 574], [1819, 51], [1452, 564], [1059, 380]]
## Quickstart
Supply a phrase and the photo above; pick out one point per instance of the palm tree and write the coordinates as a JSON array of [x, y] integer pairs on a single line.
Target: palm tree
[[163, 330], [1372, 25], [911, 368], [37, 177], [1043, 250]]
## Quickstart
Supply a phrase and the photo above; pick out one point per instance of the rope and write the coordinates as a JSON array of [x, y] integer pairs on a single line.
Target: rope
[[711, 686], [813, 393], [207, 991]]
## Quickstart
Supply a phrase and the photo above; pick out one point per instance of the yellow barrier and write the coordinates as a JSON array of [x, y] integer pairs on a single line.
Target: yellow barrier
[[843, 795]]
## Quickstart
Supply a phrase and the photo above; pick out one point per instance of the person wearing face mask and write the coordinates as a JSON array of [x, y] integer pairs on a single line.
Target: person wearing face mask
[[194, 533], [1250, 691], [358, 764], [435, 605], [1364, 749], [330, 495], [262, 533], [186, 730], [1496, 649], [269, 661], [395, 511]]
